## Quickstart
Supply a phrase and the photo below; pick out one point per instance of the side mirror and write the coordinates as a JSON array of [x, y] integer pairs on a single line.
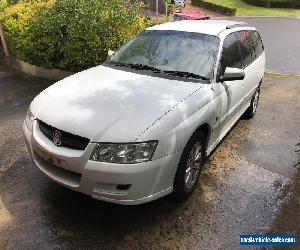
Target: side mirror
[[110, 53], [232, 74]]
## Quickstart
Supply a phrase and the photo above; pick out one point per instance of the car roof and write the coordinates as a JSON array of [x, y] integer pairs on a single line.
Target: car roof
[[210, 27]]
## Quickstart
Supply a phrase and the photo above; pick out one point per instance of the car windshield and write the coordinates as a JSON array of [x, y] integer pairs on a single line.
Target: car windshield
[[171, 51]]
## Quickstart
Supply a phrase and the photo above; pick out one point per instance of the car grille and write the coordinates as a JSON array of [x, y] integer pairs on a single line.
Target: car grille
[[68, 140]]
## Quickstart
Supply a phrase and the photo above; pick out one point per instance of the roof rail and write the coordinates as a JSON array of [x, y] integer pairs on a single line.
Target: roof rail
[[236, 25], [231, 26]]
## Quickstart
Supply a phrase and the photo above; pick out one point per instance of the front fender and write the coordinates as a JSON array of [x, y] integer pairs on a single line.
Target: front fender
[[175, 129]]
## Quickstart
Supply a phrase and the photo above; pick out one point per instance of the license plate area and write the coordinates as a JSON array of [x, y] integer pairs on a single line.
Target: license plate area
[[49, 157]]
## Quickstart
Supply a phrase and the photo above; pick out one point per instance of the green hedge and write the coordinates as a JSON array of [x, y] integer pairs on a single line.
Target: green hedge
[[69, 34], [3, 4], [215, 7], [273, 4]]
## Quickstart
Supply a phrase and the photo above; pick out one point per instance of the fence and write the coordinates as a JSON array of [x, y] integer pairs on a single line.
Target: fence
[[157, 6]]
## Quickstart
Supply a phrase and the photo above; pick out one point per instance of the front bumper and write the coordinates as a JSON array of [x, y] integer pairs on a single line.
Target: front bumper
[[127, 184]]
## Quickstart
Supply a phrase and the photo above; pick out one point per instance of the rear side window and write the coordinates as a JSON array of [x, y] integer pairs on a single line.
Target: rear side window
[[231, 56], [247, 47], [257, 43]]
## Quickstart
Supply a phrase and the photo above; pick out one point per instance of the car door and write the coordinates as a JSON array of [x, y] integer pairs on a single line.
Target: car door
[[227, 95], [251, 66], [232, 94], [259, 62]]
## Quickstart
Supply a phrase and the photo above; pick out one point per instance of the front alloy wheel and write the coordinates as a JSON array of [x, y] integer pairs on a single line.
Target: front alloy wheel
[[193, 166], [189, 168]]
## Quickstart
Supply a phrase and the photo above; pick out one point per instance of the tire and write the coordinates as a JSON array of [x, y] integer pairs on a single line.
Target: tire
[[250, 112], [187, 175]]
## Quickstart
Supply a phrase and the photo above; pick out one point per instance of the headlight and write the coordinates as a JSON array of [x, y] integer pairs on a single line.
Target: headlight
[[124, 153], [29, 119]]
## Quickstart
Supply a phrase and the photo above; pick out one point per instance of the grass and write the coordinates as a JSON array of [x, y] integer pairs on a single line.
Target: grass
[[244, 9]]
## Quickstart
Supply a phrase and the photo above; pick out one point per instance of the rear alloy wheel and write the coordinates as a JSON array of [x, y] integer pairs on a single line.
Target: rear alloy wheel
[[250, 112], [190, 167]]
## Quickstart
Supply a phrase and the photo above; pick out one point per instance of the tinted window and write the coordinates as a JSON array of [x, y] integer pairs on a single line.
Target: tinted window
[[247, 48], [231, 56], [258, 46]]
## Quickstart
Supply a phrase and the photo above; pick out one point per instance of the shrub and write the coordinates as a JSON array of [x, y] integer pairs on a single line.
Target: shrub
[[215, 7], [171, 8], [19, 23], [10, 2], [3, 4], [70, 34]]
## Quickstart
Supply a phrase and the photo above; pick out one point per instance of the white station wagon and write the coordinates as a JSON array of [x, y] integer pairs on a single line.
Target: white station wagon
[[140, 126]]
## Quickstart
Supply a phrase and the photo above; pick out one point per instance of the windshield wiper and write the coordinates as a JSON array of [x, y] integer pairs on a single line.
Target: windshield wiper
[[119, 63], [137, 66], [156, 70], [144, 67], [185, 74]]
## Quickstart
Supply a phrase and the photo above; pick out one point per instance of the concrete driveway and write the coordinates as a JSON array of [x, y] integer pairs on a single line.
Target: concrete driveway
[[281, 37], [248, 186]]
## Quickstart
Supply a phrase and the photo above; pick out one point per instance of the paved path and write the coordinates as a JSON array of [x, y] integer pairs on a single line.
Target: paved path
[[244, 183], [189, 7], [281, 37]]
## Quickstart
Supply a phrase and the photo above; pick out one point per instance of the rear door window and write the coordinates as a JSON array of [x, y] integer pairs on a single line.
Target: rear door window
[[247, 47], [257, 43]]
